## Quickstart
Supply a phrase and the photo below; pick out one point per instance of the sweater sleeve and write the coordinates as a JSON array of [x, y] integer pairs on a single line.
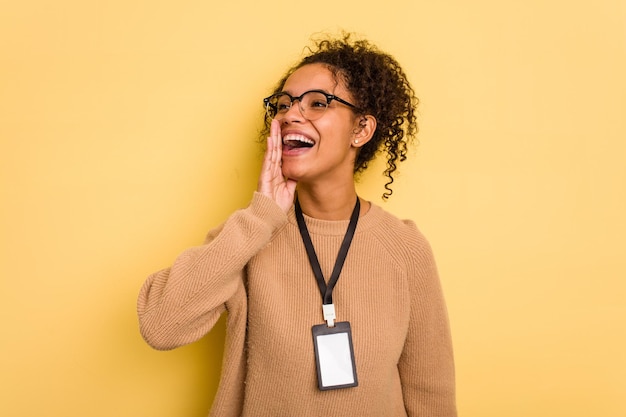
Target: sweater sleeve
[[180, 304], [426, 365]]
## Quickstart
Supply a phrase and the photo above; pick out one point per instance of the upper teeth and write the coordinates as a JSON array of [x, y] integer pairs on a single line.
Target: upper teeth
[[298, 138]]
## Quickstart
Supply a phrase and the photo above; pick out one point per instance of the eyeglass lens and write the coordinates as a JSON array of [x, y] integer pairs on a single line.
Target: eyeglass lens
[[312, 104]]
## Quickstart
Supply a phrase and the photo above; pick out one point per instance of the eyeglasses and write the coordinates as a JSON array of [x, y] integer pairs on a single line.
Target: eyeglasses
[[313, 104]]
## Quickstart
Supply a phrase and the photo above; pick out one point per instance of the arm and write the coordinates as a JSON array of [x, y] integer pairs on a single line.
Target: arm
[[180, 304], [427, 366]]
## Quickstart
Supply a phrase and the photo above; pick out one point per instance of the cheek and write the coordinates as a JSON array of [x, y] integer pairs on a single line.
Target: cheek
[[336, 130]]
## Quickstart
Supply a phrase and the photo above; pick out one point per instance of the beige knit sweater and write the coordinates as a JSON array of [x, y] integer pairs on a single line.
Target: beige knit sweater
[[255, 267]]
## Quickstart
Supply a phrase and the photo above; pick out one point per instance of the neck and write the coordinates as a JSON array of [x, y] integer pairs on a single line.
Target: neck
[[329, 203]]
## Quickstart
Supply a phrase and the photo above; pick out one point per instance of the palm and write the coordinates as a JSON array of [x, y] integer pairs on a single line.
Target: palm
[[272, 183]]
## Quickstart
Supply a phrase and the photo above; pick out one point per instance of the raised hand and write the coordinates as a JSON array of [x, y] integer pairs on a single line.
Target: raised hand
[[272, 183]]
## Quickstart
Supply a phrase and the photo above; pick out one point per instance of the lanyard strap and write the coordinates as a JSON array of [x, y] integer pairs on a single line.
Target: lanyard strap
[[327, 290]]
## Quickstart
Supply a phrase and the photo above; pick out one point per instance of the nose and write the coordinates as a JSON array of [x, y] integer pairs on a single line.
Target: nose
[[294, 114]]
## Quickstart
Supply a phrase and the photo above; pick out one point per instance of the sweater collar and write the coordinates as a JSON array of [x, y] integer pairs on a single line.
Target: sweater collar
[[336, 227]]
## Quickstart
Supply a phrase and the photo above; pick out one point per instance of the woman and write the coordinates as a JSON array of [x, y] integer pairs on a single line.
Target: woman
[[334, 305]]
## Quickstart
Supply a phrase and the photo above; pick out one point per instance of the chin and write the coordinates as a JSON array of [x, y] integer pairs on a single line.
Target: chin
[[293, 173]]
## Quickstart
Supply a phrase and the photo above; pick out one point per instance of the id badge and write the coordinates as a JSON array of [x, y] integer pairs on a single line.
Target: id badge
[[334, 356]]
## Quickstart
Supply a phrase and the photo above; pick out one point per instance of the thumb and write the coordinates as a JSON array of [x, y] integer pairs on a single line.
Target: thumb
[[291, 186]]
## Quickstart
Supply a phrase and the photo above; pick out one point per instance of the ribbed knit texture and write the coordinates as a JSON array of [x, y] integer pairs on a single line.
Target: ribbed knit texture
[[255, 267]]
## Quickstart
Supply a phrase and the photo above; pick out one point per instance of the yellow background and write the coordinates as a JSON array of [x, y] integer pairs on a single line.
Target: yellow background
[[128, 130]]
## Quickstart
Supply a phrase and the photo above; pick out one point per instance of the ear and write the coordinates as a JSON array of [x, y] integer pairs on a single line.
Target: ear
[[364, 131]]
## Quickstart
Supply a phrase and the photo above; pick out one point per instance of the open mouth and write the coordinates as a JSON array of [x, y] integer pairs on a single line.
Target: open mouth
[[292, 141]]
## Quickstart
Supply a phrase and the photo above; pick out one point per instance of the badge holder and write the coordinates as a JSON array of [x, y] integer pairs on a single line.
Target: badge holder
[[334, 356]]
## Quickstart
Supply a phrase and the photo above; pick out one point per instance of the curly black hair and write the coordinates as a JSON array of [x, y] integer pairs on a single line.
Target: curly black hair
[[380, 88]]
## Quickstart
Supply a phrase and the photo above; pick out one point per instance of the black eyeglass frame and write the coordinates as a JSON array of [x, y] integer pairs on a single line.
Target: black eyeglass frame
[[329, 99]]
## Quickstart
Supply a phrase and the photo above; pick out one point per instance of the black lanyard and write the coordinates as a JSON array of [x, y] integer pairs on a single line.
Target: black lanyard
[[327, 290]]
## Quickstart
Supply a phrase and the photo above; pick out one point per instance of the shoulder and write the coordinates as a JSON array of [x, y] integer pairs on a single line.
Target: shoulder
[[409, 249], [401, 237]]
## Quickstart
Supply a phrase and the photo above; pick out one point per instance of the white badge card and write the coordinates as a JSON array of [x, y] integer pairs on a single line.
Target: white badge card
[[334, 356]]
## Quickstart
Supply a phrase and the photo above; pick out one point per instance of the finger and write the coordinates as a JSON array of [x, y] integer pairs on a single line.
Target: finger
[[277, 141], [275, 129], [267, 158]]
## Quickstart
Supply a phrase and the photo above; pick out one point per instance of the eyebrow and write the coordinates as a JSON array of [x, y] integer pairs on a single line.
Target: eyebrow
[[311, 89]]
